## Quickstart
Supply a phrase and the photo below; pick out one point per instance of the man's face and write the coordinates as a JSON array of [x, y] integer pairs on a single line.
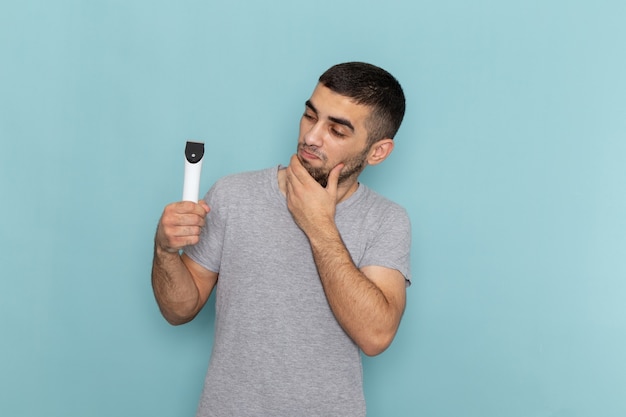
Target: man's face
[[332, 131]]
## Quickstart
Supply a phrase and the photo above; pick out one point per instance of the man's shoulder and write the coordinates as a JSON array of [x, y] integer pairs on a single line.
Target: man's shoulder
[[234, 187], [246, 177], [242, 181], [377, 201]]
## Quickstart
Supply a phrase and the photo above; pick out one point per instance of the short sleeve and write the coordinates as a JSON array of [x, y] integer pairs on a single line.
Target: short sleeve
[[390, 245]]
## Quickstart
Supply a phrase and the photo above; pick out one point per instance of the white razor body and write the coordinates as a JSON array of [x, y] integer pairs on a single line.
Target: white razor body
[[194, 154]]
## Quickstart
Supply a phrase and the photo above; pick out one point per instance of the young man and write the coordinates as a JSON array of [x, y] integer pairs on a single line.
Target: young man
[[310, 267]]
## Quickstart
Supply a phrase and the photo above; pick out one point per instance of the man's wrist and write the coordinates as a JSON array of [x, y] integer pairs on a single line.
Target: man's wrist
[[166, 252], [324, 235]]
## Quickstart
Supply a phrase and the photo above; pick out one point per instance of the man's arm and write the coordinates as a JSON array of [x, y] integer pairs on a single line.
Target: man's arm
[[367, 303], [181, 286]]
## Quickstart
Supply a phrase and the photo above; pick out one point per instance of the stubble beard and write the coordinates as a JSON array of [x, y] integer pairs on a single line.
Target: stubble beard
[[352, 166]]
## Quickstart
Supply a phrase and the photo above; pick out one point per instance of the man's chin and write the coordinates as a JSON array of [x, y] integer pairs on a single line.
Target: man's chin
[[319, 175]]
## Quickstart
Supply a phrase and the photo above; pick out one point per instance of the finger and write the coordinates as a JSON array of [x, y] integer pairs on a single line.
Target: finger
[[184, 231], [189, 207], [333, 178], [204, 206], [178, 243], [176, 237], [172, 220], [180, 225], [298, 170], [187, 220], [295, 161], [185, 213]]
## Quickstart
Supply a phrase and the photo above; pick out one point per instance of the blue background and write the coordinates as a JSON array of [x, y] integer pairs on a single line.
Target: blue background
[[511, 163]]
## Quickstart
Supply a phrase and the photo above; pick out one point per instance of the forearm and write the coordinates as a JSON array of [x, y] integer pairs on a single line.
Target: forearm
[[174, 289], [358, 304]]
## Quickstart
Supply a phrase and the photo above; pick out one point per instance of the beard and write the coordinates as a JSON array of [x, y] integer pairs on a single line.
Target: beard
[[352, 166]]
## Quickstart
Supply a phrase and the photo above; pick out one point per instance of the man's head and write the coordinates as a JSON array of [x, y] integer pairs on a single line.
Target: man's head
[[350, 119], [374, 87]]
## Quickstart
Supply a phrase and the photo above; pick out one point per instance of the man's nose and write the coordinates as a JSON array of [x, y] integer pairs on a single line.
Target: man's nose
[[314, 137]]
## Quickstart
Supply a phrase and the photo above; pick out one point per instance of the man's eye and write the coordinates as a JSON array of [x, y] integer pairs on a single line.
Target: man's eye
[[308, 116], [337, 133]]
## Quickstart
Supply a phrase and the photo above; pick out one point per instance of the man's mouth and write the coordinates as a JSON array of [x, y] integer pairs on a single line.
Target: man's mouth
[[308, 154]]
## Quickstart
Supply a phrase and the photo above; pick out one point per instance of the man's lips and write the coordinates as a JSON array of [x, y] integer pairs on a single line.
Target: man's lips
[[308, 155]]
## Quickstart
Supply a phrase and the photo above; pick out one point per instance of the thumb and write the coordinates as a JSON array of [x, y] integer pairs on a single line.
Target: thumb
[[333, 178], [204, 205]]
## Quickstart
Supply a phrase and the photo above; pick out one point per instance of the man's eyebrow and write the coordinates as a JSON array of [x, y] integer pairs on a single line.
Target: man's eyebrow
[[344, 122], [338, 120], [310, 106]]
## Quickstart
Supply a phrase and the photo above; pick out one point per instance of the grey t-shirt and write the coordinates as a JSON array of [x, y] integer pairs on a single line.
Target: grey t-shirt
[[278, 349]]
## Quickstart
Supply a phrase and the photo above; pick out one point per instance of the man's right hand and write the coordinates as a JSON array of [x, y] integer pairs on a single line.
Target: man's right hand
[[180, 225]]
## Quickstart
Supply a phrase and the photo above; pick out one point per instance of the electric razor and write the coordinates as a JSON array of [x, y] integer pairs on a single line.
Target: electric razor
[[194, 153]]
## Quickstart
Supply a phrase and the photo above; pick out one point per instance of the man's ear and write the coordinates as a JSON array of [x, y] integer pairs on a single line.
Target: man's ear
[[380, 151]]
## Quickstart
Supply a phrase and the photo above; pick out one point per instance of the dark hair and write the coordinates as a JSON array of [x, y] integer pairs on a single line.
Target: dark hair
[[372, 86]]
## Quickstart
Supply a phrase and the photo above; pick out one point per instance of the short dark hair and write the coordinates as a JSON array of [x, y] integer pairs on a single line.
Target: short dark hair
[[372, 86]]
